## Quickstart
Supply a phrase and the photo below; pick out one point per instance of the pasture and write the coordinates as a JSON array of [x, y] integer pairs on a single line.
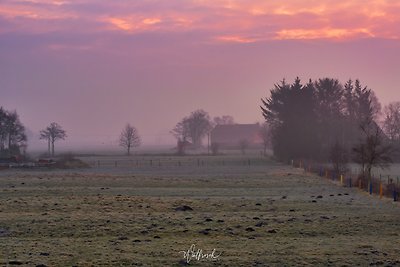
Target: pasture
[[145, 212]]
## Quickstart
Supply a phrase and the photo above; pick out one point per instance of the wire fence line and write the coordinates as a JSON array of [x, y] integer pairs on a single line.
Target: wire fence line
[[383, 186], [176, 162]]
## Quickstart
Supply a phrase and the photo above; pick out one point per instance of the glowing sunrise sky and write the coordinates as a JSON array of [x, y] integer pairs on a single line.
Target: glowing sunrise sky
[[95, 65]]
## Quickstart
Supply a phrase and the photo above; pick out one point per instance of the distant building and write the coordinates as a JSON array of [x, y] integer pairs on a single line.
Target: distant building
[[231, 135]]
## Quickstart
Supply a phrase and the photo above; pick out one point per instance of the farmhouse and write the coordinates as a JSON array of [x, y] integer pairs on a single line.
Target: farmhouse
[[230, 136]]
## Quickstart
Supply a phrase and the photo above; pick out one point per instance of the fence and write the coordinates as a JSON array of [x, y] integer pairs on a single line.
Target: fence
[[174, 162], [388, 186]]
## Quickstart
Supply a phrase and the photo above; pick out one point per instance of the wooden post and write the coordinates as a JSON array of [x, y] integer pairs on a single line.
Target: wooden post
[[380, 190], [370, 187], [341, 179]]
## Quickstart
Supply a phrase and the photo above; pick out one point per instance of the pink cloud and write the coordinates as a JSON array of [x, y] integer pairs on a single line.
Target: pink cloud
[[265, 19]]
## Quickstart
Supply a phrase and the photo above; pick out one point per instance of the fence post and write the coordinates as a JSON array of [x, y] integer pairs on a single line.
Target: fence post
[[380, 189], [370, 187], [341, 179]]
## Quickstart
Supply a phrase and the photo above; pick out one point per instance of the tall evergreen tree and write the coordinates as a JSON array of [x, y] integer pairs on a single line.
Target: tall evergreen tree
[[290, 112]]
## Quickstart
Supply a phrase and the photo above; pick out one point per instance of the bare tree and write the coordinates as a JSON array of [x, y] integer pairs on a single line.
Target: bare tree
[[194, 128], [265, 134], [391, 123], [53, 133], [129, 138], [45, 135], [372, 151], [224, 120]]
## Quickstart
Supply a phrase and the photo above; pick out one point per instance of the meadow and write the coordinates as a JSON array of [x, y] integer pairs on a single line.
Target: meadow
[[146, 211]]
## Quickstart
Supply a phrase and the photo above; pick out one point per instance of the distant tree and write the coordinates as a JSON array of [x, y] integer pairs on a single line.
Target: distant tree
[[129, 138], [265, 134], [391, 123], [53, 133], [329, 109], [372, 150], [290, 113], [360, 105], [179, 131], [181, 147], [307, 121], [193, 128], [224, 120], [12, 133], [45, 135]]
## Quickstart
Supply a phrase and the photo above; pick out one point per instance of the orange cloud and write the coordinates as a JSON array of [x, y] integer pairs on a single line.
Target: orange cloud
[[121, 24], [18, 11], [326, 33], [133, 24], [219, 20], [151, 21], [236, 39]]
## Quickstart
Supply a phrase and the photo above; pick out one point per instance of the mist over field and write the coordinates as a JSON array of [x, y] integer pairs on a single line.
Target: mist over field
[[199, 132], [150, 64]]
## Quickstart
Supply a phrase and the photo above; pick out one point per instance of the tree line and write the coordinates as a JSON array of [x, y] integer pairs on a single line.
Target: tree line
[[192, 129], [13, 139], [325, 120]]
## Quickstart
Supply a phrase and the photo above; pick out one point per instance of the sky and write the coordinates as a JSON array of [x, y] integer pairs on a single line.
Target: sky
[[93, 66]]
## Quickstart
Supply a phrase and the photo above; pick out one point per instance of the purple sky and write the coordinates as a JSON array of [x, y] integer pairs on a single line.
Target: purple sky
[[94, 66]]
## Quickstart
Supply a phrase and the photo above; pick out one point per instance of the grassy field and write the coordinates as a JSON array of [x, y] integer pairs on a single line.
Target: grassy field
[[253, 214]]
